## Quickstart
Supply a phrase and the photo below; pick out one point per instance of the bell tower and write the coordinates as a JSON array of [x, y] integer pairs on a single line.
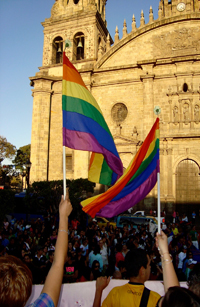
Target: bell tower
[[178, 7], [83, 23]]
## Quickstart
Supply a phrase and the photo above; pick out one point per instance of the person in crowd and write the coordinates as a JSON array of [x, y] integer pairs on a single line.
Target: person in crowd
[[125, 250], [138, 269], [194, 237], [95, 271], [181, 256], [119, 256], [104, 253], [16, 279], [194, 280], [96, 256]]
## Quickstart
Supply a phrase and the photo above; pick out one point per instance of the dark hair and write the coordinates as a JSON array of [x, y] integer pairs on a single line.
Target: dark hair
[[134, 260], [177, 296], [16, 282], [118, 247], [94, 263], [194, 280], [97, 250]]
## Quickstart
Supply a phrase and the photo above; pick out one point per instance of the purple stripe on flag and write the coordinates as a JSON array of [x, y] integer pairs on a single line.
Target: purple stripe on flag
[[116, 207], [87, 142]]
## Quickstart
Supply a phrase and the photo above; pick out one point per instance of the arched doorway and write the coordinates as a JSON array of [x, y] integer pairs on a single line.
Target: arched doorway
[[187, 185]]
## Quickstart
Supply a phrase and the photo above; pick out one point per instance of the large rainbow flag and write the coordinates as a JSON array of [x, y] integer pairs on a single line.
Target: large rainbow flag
[[137, 181], [84, 127]]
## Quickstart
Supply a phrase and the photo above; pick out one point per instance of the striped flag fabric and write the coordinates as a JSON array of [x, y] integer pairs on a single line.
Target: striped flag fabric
[[99, 171], [84, 127], [137, 181]]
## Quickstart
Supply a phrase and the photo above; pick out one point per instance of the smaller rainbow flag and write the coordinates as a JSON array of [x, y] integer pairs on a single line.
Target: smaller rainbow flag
[[99, 171], [137, 181], [84, 127]]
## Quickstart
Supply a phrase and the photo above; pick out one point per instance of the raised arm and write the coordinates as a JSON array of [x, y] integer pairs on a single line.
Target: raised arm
[[169, 276], [101, 284], [54, 278]]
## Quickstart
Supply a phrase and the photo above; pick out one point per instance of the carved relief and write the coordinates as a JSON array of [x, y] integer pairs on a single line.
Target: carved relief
[[186, 116], [196, 114], [175, 114], [177, 42], [119, 112]]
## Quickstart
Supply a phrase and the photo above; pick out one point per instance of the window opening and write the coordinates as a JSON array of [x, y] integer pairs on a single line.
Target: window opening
[[185, 87]]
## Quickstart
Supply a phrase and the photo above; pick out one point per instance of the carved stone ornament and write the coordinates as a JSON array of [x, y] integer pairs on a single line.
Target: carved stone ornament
[[196, 114], [177, 42], [175, 114], [119, 112], [186, 117]]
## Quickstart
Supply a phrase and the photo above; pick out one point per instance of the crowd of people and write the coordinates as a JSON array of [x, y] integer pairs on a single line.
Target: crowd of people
[[95, 251], [56, 253]]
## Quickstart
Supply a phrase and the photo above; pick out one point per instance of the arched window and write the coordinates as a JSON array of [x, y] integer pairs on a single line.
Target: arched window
[[187, 182], [185, 87], [57, 50], [79, 45]]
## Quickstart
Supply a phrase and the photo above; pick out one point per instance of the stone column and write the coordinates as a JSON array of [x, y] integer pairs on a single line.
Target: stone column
[[148, 102], [40, 129]]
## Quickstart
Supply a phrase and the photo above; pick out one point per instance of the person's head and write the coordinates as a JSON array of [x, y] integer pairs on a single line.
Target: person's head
[[177, 296], [95, 265], [118, 247], [137, 264], [15, 281], [101, 244], [194, 280], [51, 255], [117, 275], [96, 249], [27, 258]]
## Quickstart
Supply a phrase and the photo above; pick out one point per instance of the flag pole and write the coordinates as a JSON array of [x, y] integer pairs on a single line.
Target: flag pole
[[157, 111], [67, 44], [158, 204], [64, 173]]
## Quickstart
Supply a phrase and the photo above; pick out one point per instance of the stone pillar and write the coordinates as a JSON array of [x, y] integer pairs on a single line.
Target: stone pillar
[[169, 168], [148, 102], [40, 129]]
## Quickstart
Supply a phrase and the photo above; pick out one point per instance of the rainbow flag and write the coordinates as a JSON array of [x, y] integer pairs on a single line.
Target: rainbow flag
[[137, 181], [84, 127], [99, 171]]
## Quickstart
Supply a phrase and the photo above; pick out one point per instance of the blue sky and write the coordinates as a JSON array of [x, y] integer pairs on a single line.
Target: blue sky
[[21, 47]]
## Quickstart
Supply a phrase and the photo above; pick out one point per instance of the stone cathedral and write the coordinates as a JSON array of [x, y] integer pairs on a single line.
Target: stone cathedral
[[156, 64]]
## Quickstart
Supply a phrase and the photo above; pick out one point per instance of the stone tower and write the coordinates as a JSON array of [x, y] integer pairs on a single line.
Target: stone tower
[[83, 23]]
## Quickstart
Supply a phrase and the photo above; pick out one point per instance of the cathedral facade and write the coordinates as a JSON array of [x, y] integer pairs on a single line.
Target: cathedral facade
[[156, 64]]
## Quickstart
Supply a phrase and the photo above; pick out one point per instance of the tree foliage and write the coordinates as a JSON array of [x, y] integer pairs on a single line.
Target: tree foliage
[[7, 150], [7, 203], [44, 195], [22, 156]]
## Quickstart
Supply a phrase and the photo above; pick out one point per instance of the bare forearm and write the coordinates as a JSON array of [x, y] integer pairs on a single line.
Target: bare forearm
[[97, 298], [169, 275]]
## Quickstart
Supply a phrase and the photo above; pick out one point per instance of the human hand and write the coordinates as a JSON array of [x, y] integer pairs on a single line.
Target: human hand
[[162, 243], [102, 283], [65, 207]]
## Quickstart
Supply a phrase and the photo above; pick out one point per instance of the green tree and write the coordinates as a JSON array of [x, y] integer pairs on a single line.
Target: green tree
[[22, 156], [7, 150]]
